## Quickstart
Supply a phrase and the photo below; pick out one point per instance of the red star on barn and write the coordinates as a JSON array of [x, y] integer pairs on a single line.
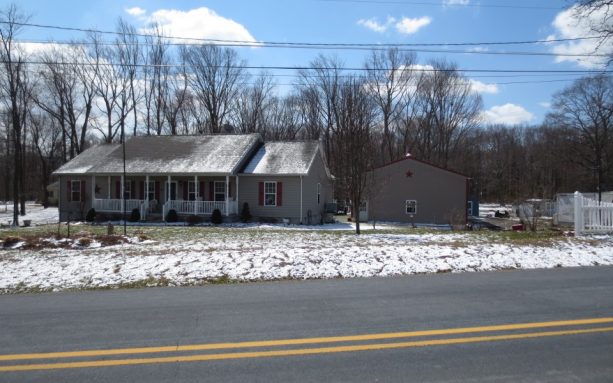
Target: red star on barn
[[409, 173]]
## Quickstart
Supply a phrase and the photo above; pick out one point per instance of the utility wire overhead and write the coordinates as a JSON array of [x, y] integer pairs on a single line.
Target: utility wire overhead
[[374, 47], [287, 44], [442, 4]]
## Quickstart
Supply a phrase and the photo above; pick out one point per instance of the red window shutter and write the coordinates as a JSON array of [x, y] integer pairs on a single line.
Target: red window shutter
[[69, 190], [142, 190], [82, 191], [118, 189], [201, 189], [211, 191], [185, 186], [261, 193], [279, 193], [157, 190]]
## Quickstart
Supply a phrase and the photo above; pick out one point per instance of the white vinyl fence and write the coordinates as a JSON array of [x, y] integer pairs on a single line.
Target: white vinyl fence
[[592, 216]]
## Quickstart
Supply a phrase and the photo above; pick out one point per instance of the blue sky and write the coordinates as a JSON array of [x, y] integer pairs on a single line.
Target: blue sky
[[358, 21]]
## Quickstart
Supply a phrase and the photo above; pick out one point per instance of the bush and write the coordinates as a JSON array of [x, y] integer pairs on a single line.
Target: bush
[[172, 216], [193, 220], [216, 217], [135, 215], [91, 215], [102, 217], [245, 213]]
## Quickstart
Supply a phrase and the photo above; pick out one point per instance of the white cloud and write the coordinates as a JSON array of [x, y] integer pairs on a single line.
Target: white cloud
[[507, 114], [545, 104], [135, 11], [456, 2], [481, 87], [409, 26], [568, 25], [373, 25], [199, 23]]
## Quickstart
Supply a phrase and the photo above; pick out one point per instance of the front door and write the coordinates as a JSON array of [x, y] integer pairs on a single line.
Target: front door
[[173, 189]]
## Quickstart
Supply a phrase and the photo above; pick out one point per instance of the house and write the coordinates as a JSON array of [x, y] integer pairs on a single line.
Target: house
[[194, 175], [53, 191], [414, 191]]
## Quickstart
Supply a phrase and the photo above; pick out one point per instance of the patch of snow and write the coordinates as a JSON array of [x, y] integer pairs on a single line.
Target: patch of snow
[[34, 212], [252, 255]]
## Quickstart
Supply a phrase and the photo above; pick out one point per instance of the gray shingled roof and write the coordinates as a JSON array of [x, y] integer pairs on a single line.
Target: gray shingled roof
[[283, 158], [215, 154]]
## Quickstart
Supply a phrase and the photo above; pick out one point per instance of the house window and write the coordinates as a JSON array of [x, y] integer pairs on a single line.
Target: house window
[[127, 190], [75, 191], [151, 191], [220, 190], [270, 194], [318, 193], [411, 206], [191, 190]]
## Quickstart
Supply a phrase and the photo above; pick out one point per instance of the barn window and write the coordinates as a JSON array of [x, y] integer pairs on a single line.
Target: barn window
[[411, 206], [270, 194], [75, 190]]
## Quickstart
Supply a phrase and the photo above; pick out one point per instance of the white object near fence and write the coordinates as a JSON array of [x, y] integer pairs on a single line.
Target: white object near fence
[[592, 216]]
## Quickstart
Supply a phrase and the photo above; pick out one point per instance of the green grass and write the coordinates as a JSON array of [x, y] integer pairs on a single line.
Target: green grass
[[195, 233]]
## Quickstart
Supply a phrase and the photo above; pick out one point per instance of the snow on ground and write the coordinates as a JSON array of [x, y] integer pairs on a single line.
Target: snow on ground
[[34, 212], [252, 255]]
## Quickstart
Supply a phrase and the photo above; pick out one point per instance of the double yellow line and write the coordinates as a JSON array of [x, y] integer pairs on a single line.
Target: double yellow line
[[513, 328]]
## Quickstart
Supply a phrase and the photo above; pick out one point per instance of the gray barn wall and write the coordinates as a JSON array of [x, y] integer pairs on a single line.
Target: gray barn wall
[[440, 194]]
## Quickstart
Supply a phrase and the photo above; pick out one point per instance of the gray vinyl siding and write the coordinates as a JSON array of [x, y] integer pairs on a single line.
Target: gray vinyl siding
[[290, 208], [248, 191], [316, 175], [74, 210], [440, 194]]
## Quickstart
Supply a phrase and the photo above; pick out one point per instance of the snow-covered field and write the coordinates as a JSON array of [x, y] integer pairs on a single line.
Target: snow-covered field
[[34, 212], [194, 256]]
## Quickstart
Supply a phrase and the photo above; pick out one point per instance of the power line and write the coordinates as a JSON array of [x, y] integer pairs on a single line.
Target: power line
[[247, 43], [442, 4], [374, 47], [310, 68]]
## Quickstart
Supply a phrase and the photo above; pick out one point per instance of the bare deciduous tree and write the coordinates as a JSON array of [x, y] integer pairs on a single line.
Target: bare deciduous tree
[[216, 73], [353, 143], [586, 107], [13, 88], [391, 81]]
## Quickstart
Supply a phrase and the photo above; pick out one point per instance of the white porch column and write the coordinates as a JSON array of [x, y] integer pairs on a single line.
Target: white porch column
[[238, 208], [108, 180], [168, 189], [195, 195], [227, 188], [147, 191]]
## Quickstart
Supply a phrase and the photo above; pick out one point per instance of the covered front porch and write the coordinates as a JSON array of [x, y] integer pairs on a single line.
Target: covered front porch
[[155, 195]]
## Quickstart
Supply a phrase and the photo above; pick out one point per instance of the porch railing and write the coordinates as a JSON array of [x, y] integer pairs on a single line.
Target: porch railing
[[199, 207], [116, 205]]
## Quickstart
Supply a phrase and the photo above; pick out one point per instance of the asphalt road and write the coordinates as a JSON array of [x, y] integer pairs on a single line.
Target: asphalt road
[[143, 327]]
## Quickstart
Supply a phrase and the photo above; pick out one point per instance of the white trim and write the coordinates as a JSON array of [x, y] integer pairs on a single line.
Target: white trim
[[275, 193]]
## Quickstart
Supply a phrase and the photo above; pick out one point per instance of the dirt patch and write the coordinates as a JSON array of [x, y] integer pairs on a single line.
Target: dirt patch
[[82, 241]]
